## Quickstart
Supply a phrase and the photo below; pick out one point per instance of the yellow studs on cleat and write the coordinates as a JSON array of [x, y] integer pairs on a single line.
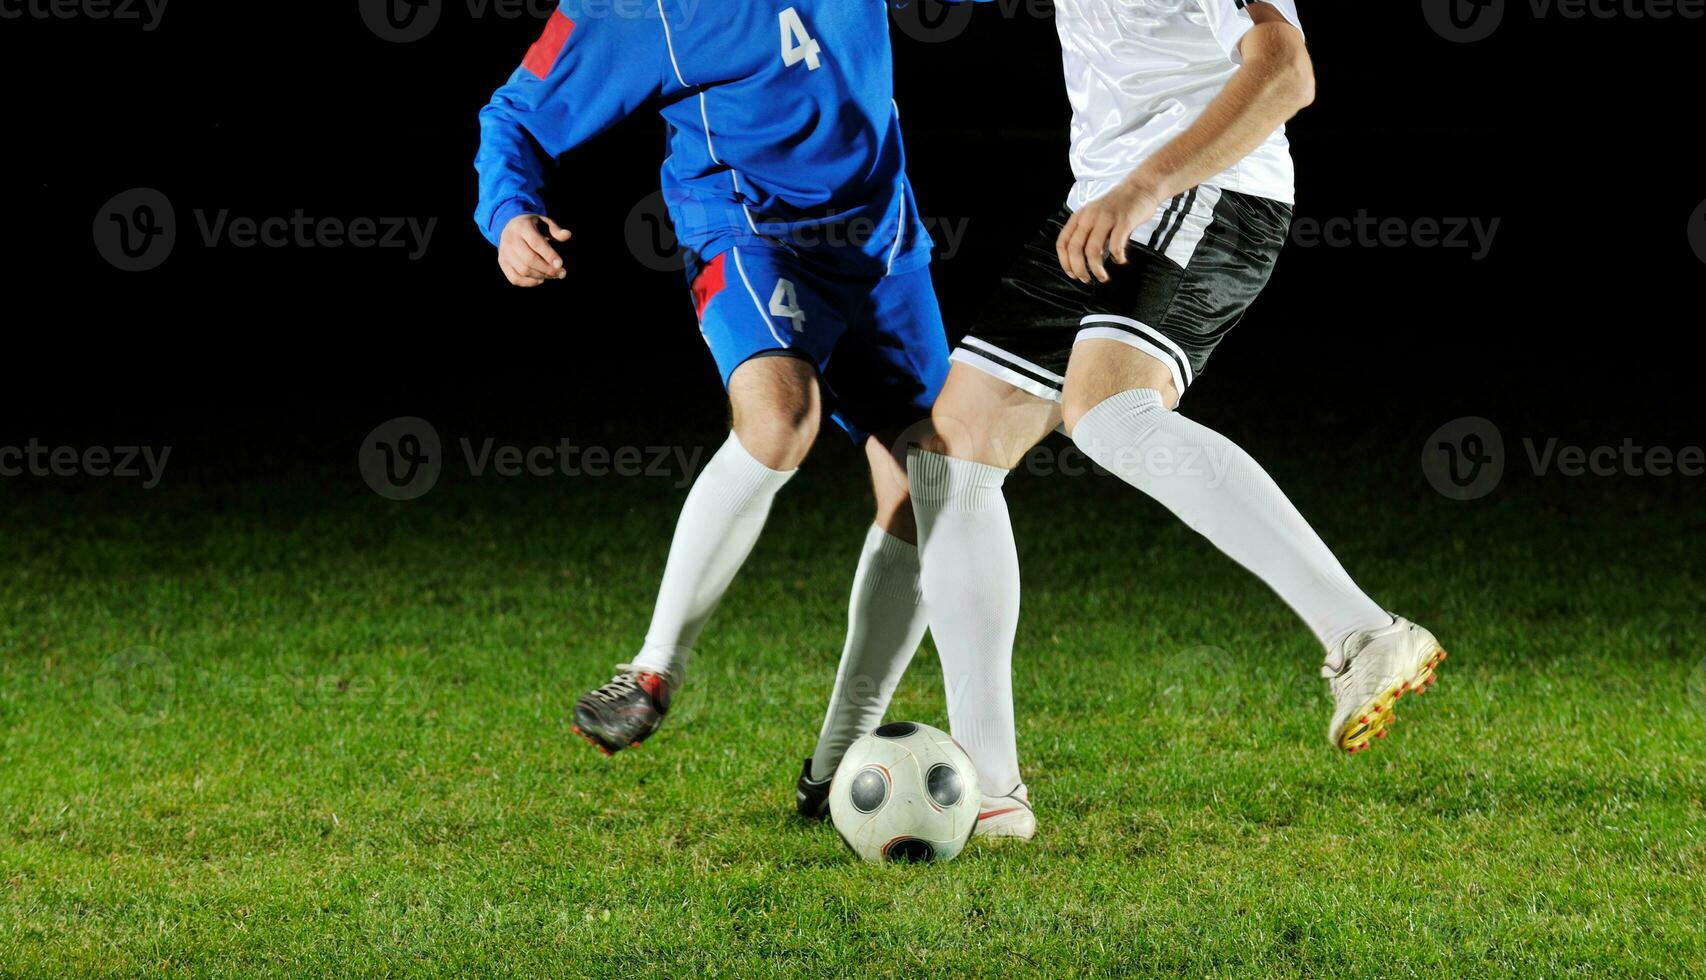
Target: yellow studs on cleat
[[1381, 710]]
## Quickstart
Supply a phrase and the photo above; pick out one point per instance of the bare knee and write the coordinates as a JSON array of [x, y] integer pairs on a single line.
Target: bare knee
[[1101, 369], [889, 487], [776, 404], [895, 517], [983, 419]]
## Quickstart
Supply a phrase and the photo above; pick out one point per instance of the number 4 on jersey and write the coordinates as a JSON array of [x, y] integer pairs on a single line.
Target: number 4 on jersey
[[785, 303], [797, 44]]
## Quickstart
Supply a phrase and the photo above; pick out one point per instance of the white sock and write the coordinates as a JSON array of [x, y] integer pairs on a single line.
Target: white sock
[[718, 526], [1224, 495], [885, 623], [971, 584]]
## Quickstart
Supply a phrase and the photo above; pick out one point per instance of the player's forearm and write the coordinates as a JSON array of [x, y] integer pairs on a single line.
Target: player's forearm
[[511, 169], [1275, 82]]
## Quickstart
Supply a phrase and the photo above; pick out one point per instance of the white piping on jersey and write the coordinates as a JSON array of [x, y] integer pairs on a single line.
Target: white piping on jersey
[[768, 322], [669, 40], [734, 175], [744, 210], [705, 117], [899, 232], [900, 226]]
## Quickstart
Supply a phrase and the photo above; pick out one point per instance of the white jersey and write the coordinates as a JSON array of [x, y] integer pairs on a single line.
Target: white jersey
[[1139, 72]]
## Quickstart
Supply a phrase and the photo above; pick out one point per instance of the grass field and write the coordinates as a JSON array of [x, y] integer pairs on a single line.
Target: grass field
[[279, 726]]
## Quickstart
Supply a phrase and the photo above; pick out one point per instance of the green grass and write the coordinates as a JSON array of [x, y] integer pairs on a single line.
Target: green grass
[[348, 755]]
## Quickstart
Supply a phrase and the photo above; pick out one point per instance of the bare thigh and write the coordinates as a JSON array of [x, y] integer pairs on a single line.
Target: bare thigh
[[1101, 369]]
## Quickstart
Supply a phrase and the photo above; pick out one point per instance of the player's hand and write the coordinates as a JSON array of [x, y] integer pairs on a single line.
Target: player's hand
[[1104, 227], [525, 252]]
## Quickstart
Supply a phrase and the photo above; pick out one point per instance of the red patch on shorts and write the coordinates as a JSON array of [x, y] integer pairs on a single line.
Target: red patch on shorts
[[709, 283], [543, 55]]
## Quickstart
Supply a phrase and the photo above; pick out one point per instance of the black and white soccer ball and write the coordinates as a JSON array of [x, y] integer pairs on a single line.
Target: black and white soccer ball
[[905, 792]]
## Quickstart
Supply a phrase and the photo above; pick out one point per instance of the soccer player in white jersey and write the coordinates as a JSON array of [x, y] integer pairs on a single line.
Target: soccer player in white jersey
[[1181, 205]]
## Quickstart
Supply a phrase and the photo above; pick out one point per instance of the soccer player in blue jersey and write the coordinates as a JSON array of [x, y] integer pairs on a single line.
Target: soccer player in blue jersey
[[808, 266]]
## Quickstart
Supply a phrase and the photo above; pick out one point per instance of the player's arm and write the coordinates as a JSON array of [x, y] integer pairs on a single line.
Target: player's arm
[[582, 76], [1274, 81]]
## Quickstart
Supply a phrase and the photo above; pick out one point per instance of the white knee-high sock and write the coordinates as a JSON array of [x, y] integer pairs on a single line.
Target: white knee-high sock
[[1224, 495], [719, 524], [971, 587], [885, 623]]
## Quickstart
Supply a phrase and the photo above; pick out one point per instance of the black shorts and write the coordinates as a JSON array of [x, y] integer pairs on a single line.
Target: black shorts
[[1192, 270]]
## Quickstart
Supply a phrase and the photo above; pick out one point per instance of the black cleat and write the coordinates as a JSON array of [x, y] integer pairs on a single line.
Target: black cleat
[[811, 796], [624, 712]]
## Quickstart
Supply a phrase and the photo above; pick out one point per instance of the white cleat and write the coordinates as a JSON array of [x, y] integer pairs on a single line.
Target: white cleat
[[1369, 672], [1007, 816]]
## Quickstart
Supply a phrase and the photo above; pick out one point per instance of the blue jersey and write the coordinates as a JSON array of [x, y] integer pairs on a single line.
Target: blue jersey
[[782, 124]]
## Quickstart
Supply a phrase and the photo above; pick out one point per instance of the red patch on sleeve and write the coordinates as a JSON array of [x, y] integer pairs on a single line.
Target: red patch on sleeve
[[542, 57], [709, 283]]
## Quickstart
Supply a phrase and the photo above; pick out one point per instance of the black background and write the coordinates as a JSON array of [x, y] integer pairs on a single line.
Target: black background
[[1574, 134]]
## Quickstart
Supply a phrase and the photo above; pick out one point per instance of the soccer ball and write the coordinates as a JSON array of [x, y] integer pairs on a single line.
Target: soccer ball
[[905, 792]]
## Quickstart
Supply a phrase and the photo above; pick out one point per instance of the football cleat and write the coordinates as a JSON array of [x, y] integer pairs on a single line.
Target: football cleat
[[1007, 816], [625, 711], [1369, 672], [811, 796]]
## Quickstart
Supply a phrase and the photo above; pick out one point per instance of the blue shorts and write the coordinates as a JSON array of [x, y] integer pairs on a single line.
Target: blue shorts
[[878, 343]]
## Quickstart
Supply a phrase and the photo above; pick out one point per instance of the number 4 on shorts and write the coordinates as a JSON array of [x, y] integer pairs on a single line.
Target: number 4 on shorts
[[785, 302]]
